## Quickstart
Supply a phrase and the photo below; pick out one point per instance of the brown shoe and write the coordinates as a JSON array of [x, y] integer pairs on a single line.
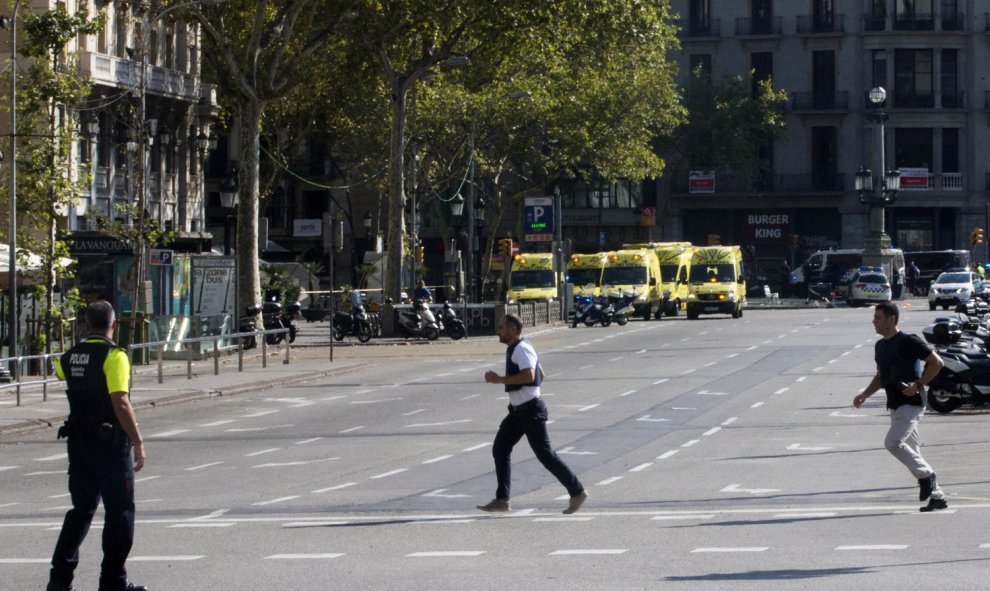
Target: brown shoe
[[576, 502], [497, 506]]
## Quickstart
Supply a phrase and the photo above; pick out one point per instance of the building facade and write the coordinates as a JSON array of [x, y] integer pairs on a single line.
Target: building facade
[[931, 56]]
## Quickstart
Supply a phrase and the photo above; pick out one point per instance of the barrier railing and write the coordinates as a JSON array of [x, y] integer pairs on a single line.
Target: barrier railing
[[46, 377]]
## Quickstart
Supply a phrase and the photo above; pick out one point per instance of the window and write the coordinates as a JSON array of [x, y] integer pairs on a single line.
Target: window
[[951, 98], [761, 63], [914, 15], [701, 17], [824, 151], [951, 19], [823, 15], [913, 78], [913, 147], [950, 149], [314, 203], [876, 20], [823, 79], [879, 68], [762, 15], [599, 194]]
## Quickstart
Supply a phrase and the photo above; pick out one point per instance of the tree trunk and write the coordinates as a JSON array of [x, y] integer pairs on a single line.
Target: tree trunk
[[248, 277], [395, 233]]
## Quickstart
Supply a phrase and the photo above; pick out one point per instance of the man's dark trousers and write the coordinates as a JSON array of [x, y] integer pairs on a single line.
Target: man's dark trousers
[[529, 419], [98, 468]]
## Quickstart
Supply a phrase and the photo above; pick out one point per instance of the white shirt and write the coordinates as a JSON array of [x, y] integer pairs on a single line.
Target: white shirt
[[525, 357]]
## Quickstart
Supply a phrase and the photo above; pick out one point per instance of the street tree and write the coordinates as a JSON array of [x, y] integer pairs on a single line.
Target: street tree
[[260, 51], [49, 183]]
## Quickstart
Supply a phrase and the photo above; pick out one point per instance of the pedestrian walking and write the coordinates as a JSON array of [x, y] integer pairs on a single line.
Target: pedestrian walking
[[527, 416], [105, 450], [912, 278], [897, 356]]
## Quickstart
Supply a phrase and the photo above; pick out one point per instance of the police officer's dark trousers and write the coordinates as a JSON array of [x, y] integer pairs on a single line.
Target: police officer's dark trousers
[[98, 469], [529, 419]]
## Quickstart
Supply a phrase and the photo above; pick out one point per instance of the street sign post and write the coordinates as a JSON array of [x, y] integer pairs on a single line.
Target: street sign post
[[539, 215], [161, 256]]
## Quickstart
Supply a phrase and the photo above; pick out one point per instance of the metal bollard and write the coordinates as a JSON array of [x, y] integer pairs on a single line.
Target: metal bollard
[[264, 351], [189, 356], [216, 357], [161, 377], [240, 355], [44, 378], [287, 348], [17, 378]]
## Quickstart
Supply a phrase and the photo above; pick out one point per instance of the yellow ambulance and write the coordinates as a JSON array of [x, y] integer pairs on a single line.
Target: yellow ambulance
[[584, 271], [675, 268], [532, 278], [717, 283], [636, 270]]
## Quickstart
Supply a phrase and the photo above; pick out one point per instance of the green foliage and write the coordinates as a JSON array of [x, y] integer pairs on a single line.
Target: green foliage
[[727, 125], [279, 281]]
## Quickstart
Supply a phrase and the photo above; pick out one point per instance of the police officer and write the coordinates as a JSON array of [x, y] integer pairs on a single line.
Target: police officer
[[105, 449]]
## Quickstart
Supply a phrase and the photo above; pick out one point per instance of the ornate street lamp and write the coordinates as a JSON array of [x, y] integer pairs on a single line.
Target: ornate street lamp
[[877, 193]]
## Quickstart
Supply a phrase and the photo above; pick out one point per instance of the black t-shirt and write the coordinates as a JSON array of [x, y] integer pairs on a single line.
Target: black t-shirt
[[898, 361]]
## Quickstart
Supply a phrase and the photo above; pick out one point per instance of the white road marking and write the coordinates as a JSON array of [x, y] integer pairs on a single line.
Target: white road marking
[[569, 450], [2, 505], [562, 519], [799, 447], [660, 381], [729, 421], [683, 408], [436, 459], [731, 355], [218, 423], [60, 496], [201, 466], [413, 412], [147, 478], [476, 447], [24, 560], [441, 424], [614, 359], [352, 429], [589, 407], [836, 413], [587, 551], [874, 547], [818, 515], [300, 524], [257, 429], [640, 352], [440, 494], [751, 348], [801, 379], [375, 401], [782, 390], [649, 419], [690, 443], [712, 431], [608, 481], [294, 463], [586, 367], [710, 363], [469, 397], [687, 371], [262, 452], [273, 501], [446, 554], [260, 413], [757, 404], [389, 473], [667, 454], [203, 524], [641, 467], [3, 468], [734, 488], [736, 549], [368, 391], [330, 488], [45, 473], [819, 368], [984, 546], [53, 458], [627, 393], [176, 558], [305, 441], [326, 556]]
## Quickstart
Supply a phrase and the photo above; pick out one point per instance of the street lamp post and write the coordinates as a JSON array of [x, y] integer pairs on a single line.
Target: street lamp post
[[877, 194], [477, 282], [457, 211], [12, 327]]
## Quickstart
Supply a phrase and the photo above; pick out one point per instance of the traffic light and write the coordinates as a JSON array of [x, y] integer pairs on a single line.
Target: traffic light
[[976, 237], [505, 247], [420, 254]]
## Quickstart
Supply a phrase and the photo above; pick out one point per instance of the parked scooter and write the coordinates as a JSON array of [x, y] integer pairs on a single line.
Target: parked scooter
[[965, 377], [595, 310], [452, 325], [356, 323], [419, 323]]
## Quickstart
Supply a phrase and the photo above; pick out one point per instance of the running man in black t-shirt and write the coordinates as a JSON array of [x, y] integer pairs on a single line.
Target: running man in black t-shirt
[[897, 355]]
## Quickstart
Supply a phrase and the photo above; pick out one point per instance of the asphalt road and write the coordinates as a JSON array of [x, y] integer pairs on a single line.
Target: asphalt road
[[719, 454]]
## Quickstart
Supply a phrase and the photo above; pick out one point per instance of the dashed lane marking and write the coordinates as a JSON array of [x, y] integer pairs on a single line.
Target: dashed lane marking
[[174, 558], [389, 473], [757, 404], [658, 382], [147, 478], [729, 421], [305, 441], [273, 501], [440, 424], [476, 447], [218, 423], [436, 459], [330, 488], [260, 413], [801, 379], [683, 517], [561, 519], [257, 429], [45, 473], [712, 431], [627, 393], [586, 408], [202, 466], [202, 524], [819, 515], [262, 452], [731, 549], [4, 468], [608, 481], [641, 467], [352, 429], [667, 454], [589, 551], [54, 458], [690, 443], [782, 390], [874, 547], [413, 412], [24, 560]]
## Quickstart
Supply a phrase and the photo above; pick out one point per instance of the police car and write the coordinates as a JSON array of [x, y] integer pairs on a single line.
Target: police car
[[869, 285], [953, 288]]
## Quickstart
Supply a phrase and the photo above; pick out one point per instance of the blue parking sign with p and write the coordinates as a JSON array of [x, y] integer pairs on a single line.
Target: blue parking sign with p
[[539, 215]]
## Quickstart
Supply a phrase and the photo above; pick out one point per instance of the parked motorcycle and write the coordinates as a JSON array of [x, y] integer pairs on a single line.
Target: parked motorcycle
[[418, 323], [356, 323], [274, 318], [452, 325], [623, 305], [965, 377], [249, 323], [598, 310]]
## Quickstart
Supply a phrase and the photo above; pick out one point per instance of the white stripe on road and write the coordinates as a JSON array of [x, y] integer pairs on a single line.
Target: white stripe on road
[[874, 547], [690, 443], [273, 501], [413, 412], [391, 473], [203, 524], [477, 447], [352, 429], [201, 466], [258, 453], [304, 556], [260, 413], [756, 405], [712, 431], [677, 517], [737, 549], [176, 558], [169, 433], [53, 458], [729, 421], [782, 390], [641, 467], [436, 459], [589, 407], [818, 515], [441, 424], [147, 478], [627, 393], [305, 441], [658, 382], [667, 454], [218, 423], [608, 481], [330, 488], [3, 468], [24, 560]]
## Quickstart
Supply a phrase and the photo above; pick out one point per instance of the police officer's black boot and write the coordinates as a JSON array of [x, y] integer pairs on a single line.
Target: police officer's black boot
[[53, 586], [129, 587]]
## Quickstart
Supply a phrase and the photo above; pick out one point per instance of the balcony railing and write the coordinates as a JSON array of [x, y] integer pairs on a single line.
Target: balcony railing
[[954, 22], [913, 100], [817, 25], [820, 101], [700, 29], [777, 183], [109, 70], [874, 22], [918, 21], [748, 27], [946, 181], [954, 100]]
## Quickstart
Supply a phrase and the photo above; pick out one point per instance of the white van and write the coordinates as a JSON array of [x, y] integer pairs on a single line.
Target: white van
[[836, 267]]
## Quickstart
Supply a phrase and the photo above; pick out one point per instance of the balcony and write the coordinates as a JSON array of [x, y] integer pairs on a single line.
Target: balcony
[[820, 101], [954, 100], [954, 22], [763, 27], [874, 22], [777, 183], [821, 25], [108, 70], [945, 181], [912, 100], [699, 30], [918, 21]]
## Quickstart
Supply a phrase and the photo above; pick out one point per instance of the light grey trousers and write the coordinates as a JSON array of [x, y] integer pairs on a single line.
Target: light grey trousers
[[902, 442]]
